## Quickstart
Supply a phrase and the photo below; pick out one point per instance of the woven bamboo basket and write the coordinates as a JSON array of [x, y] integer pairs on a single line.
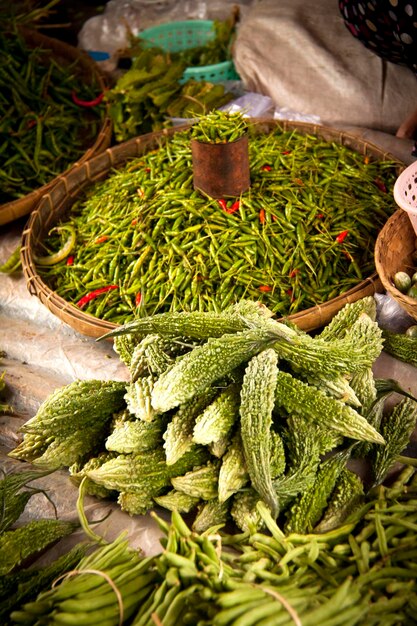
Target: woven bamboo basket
[[57, 201], [64, 53], [394, 248]]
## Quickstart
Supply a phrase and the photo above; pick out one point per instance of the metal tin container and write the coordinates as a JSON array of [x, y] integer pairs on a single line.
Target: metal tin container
[[221, 169]]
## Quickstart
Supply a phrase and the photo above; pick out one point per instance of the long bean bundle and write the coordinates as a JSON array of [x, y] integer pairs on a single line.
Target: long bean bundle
[[360, 573], [302, 234], [42, 130]]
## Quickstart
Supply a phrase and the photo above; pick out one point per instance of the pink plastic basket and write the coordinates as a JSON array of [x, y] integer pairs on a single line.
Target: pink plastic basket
[[405, 192]]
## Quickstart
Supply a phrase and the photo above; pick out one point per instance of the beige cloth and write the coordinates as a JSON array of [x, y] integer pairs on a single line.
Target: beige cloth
[[302, 55]]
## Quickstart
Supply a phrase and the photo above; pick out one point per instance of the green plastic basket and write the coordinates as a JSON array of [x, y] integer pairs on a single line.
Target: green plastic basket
[[178, 36]]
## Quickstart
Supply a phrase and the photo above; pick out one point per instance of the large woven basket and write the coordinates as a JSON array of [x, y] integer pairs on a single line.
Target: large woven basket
[[66, 54], [60, 197], [395, 245]]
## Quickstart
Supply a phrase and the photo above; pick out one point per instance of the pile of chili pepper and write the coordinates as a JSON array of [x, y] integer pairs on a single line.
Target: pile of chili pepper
[[219, 127], [49, 116], [147, 242]]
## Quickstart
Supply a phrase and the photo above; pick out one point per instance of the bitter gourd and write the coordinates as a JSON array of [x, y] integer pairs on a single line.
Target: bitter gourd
[[277, 455], [135, 503], [146, 472], [136, 436], [298, 397], [177, 501], [80, 404], [195, 325], [79, 471], [233, 474], [178, 436], [219, 447], [124, 346], [205, 364], [201, 482], [347, 316], [396, 428], [257, 404], [317, 356], [209, 514], [307, 510], [64, 451], [153, 355], [402, 347], [244, 511], [338, 387], [138, 398], [31, 447], [19, 544], [217, 419], [371, 408], [346, 497], [303, 445], [363, 383]]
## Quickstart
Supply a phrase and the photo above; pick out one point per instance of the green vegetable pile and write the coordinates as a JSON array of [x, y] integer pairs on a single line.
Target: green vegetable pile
[[43, 131], [153, 89], [219, 127], [146, 242], [225, 410], [361, 573]]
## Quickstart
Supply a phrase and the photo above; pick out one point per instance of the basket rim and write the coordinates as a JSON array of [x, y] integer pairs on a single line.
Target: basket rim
[[14, 209], [398, 216], [308, 319], [167, 26]]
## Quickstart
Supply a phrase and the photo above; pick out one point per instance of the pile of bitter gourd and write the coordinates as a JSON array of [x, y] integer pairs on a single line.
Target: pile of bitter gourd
[[224, 410]]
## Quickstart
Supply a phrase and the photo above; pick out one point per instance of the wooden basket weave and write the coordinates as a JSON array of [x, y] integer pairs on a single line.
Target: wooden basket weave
[[67, 54], [394, 248], [56, 202]]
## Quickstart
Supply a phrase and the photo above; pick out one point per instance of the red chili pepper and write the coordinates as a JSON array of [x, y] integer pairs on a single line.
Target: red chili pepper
[[223, 204], [289, 293], [366, 159], [147, 170], [70, 260], [262, 216], [342, 236], [286, 152], [134, 222], [294, 273], [379, 183], [93, 294], [101, 239], [266, 168], [320, 216], [31, 123], [235, 207], [265, 288], [298, 181], [86, 103], [138, 298]]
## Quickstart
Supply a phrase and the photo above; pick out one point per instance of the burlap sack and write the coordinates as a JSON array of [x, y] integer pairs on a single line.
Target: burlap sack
[[302, 55]]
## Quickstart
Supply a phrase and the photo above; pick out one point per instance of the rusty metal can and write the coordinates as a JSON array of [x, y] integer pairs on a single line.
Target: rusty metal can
[[221, 169]]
